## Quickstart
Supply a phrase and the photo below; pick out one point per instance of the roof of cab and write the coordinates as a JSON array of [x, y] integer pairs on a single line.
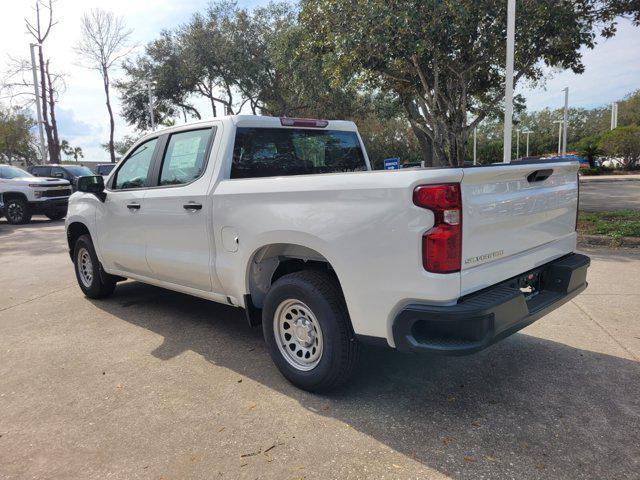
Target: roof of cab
[[256, 121]]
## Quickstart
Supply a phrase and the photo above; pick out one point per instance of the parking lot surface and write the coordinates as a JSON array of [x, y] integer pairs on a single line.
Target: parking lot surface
[[601, 194], [151, 384]]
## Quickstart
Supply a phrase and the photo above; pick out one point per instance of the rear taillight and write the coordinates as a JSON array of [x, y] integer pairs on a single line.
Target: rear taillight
[[442, 244]]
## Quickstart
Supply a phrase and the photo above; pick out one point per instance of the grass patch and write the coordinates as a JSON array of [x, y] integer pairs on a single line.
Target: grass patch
[[622, 223]]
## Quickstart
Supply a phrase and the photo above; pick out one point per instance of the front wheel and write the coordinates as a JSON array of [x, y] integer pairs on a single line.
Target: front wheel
[[92, 282], [308, 332], [17, 211]]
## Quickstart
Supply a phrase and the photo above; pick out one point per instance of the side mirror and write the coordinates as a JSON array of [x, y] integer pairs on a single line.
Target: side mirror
[[92, 184]]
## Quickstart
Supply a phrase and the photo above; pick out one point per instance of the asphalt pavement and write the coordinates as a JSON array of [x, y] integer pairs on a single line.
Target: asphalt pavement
[[599, 194], [151, 384]]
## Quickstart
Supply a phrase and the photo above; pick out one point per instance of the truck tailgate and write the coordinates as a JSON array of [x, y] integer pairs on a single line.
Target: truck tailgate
[[515, 218]]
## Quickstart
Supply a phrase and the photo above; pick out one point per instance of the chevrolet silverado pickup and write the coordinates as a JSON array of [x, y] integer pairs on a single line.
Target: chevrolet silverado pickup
[[23, 195], [284, 218]]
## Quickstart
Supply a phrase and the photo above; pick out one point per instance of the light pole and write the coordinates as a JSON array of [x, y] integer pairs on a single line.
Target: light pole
[[153, 123], [565, 119], [43, 151], [527, 132], [614, 115], [517, 143], [475, 145], [508, 88], [559, 122]]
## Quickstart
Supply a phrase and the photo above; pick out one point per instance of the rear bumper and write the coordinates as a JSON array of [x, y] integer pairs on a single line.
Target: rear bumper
[[482, 318]]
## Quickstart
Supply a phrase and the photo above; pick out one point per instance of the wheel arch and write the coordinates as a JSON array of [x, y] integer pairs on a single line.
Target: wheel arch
[[11, 195], [272, 261], [75, 230]]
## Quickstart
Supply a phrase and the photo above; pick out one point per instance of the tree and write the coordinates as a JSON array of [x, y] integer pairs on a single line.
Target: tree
[[49, 95], [75, 152], [104, 42], [16, 140], [589, 148], [123, 145], [445, 59], [623, 143]]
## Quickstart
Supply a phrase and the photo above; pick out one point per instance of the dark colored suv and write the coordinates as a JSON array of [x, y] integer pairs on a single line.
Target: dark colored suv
[[104, 169], [66, 172]]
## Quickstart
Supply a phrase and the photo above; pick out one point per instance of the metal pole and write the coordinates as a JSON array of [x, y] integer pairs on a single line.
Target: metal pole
[[559, 122], [565, 124], [613, 114], [153, 123], [475, 146], [517, 143], [508, 88], [43, 150], [527, 132]]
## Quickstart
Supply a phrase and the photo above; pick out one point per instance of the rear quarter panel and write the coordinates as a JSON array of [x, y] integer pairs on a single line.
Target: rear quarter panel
[[363, 223]]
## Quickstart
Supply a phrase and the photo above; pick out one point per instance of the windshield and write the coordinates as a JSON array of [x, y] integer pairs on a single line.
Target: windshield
[[78, 171], [9, 172]]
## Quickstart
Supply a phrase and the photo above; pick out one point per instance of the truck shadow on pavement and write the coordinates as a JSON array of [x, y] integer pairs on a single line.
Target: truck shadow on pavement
[[525, 405]]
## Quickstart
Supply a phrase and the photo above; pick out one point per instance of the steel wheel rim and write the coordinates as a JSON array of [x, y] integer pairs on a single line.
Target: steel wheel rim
[[85, 267], [15, 211], [298, 334]]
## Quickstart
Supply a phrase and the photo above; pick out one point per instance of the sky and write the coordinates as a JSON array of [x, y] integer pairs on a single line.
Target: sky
[[612, 68]]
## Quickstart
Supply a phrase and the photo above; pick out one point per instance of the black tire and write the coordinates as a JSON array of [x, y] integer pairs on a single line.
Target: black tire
[[56, 215], [17, 211], [320, 292], [94, 283]]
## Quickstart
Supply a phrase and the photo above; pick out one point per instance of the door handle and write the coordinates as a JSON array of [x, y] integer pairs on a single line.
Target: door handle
[[133, 206], [539, 175], [192, 206]]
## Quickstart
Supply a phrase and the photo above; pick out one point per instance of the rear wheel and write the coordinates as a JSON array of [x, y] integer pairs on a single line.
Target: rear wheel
[[92, 282], [308, 332], [17, 211]]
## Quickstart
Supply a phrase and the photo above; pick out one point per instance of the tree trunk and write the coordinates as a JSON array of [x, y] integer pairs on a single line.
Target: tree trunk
[[45, 104], [54, 145], [105, 82], [426, 147]]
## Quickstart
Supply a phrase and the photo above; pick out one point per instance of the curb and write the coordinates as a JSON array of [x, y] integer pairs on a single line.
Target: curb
[[603, 240]]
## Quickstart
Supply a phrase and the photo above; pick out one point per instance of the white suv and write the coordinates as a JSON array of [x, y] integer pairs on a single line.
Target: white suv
[[23, 195]]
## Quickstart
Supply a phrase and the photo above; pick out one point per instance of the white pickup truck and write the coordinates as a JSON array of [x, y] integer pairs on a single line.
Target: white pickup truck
[[23, 195], [284, 218]]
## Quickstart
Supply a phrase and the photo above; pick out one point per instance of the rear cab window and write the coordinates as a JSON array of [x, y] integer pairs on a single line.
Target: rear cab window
[[270, 152]]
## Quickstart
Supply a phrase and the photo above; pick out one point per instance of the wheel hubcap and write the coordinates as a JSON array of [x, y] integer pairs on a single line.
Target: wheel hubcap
[[14, 211], [85, 267], [298, 334]]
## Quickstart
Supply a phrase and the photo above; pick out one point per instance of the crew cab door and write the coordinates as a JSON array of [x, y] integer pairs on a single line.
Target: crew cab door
[[178, 209], [120, 220]]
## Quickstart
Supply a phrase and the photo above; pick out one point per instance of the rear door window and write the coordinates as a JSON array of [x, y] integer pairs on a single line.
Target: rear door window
[[185, 157], [269, 152]]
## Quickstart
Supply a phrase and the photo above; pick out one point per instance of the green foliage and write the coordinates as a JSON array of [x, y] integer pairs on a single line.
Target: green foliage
[[122, 146], [445, 59], [16, 139], [589, 148], [623, 143], [75, 152], [623, 223]]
